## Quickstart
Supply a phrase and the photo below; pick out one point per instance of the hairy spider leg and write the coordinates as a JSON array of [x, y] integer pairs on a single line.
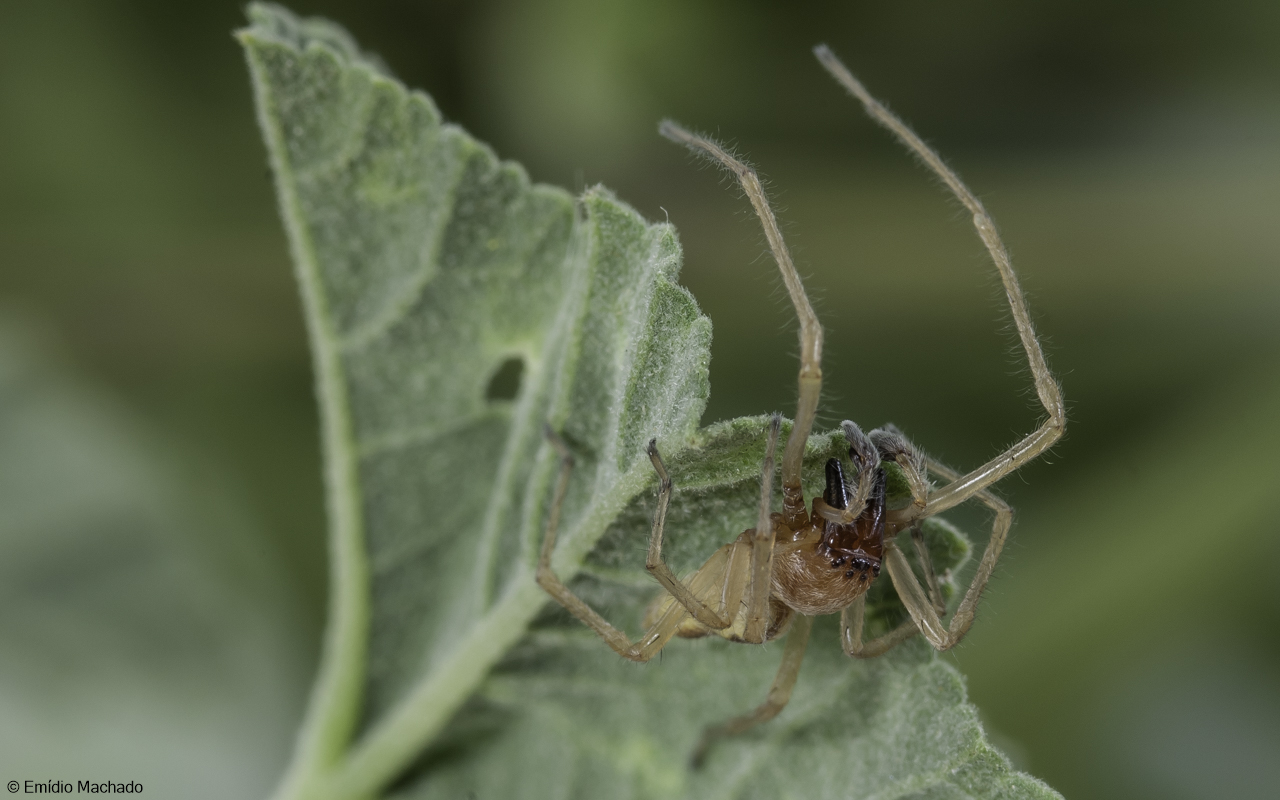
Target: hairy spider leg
[[926, 566], [867, 459], [961, 488], [810, 381], [925, 614], [779, 692], [660, 632], [762, 541], [924, 603], [852, 619], [716, 577], [659, 569]]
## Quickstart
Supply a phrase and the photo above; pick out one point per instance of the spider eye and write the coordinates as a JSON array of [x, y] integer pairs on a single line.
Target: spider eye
[[836, 494]]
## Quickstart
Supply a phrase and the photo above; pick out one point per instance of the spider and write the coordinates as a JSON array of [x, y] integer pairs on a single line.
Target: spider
[[802, 562]]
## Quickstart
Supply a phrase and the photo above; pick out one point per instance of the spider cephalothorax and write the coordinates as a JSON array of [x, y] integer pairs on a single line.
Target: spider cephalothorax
[[801, 561], [857, 545], [832, 562]]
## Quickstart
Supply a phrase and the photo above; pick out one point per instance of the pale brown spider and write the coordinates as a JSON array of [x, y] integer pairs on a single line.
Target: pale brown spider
[[800, 563]]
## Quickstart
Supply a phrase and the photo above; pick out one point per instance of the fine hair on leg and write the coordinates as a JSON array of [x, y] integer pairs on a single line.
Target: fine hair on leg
[[853, 617], [1047, 390], [926, 611], [810, 381]]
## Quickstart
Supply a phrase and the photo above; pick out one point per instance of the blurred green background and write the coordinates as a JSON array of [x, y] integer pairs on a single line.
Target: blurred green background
[[162, 565]]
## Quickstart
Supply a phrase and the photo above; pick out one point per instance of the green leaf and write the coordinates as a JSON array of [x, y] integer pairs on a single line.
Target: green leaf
[[565, 717], [432, 273]]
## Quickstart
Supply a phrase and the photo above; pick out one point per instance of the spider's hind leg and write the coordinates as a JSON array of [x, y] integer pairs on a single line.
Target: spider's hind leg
[[655, 638], [720, 580], [715, 620], [762, 542], [775, 701]]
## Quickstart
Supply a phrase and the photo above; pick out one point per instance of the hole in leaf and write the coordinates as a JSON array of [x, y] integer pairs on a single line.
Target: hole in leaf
[[505, 383]]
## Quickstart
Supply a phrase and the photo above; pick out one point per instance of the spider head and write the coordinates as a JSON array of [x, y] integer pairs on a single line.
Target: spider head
[[855, 547]]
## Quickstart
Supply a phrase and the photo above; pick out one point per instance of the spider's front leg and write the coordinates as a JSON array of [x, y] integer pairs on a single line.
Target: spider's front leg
[[852, 620], [925, 606], [853, 617], [912, 595], [962, 488], [810, 380], [975, 483], [925, 603]]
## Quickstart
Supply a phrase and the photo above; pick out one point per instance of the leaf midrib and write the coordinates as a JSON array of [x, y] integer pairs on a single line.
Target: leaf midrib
[[398, 736], [333, 709]]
